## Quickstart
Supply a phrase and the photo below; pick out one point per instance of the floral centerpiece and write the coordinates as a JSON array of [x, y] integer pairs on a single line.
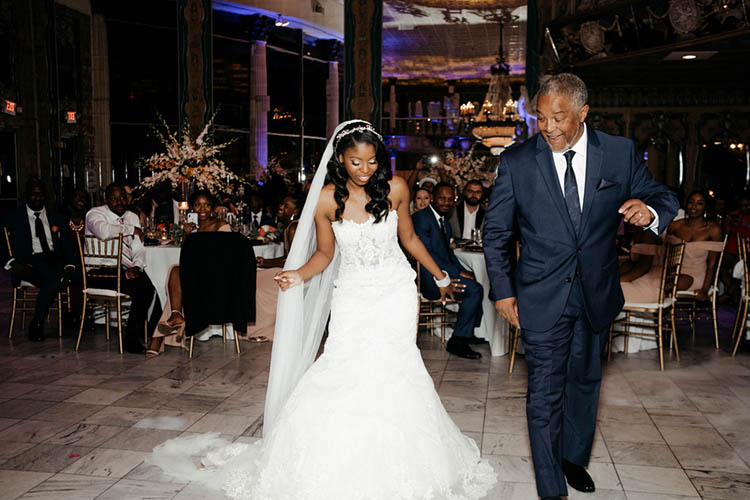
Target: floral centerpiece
[[261, 175], [267, 234], [168, 232], [458, 170], [188, 161]]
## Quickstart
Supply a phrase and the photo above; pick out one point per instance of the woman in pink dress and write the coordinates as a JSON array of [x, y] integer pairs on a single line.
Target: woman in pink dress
[[267, 289]]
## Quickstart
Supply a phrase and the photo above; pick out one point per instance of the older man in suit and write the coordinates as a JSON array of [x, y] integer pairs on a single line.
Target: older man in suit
[[42, 252], [431, 226], [566, 190]]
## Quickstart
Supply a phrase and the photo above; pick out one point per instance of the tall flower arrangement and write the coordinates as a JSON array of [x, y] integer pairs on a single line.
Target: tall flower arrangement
[[188, 161], [458, 170]]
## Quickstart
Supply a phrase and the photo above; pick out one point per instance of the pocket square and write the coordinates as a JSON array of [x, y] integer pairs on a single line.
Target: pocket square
[[604, 184]]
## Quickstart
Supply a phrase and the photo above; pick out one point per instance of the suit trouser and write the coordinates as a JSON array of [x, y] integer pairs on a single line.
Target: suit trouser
[[470, 310], [45, 273], [565, 375], [142, 293]]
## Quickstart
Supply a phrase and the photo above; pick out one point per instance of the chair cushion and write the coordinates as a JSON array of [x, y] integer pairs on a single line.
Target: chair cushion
[[104, 292], [652, 305]]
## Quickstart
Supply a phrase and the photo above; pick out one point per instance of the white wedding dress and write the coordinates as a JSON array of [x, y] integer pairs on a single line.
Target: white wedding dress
[[365, 421]]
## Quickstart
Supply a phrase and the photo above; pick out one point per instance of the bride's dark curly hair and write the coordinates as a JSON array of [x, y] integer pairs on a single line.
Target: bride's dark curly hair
[[377, 188]]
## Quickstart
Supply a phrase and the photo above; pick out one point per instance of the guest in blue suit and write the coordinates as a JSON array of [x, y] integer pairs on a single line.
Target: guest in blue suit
[[432, 226], [42, 252], [566, 190]]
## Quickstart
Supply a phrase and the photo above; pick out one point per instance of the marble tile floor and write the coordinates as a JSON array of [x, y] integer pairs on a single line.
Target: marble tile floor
[[77, 426]]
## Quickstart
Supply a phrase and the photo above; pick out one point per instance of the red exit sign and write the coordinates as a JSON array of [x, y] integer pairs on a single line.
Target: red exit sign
[[9, 107], [70, 116]]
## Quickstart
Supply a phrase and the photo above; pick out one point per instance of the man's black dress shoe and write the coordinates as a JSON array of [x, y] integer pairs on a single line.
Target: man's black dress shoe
[[475, 341], [36, 332], [133, 346], [577, 477], [462, 350]]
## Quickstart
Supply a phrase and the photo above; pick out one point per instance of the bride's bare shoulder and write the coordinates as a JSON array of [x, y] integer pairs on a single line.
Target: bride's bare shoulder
[[327, 203]]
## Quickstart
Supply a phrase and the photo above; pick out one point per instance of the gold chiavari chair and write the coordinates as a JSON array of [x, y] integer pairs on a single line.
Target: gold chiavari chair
[[740, 322], [25, 295], [651, 316], [102, 259], [432, 313], [687, 301]]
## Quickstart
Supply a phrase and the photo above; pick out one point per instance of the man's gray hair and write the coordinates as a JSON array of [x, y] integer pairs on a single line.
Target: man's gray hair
[[566, 84]]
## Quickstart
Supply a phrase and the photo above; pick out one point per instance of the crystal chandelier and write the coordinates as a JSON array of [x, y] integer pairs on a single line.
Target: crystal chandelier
[[497, 122]]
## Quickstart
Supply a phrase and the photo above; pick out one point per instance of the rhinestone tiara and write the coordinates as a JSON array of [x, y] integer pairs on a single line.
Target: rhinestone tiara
[[360, 128]]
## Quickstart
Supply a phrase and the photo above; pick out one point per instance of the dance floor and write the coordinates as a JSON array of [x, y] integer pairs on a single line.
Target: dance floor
[[78, 425]]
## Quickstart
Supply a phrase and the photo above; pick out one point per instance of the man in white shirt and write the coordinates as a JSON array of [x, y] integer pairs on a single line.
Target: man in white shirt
[[41, 252], [468, 213], [107, 222]]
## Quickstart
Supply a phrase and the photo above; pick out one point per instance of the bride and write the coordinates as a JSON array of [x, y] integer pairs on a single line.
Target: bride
[[363, 421]]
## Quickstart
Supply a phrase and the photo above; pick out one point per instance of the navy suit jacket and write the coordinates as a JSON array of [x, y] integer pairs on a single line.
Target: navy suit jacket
[[527, 195], [19, 231], [428, 230]]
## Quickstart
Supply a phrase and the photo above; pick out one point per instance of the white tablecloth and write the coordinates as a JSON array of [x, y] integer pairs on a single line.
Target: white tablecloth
[[159, 259], [494, 328]]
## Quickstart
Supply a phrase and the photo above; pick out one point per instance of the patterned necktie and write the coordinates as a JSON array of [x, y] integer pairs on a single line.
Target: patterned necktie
[[127, 253], [39, 230], [571, 191]]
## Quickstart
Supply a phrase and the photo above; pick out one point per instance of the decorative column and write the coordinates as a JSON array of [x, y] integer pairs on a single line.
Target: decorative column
[[194, 63], [258, 27], [98, 175], [334, 50], [363, 45]]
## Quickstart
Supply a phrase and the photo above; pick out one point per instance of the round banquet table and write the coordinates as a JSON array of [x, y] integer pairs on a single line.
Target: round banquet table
[[159, 260], [493, 328]]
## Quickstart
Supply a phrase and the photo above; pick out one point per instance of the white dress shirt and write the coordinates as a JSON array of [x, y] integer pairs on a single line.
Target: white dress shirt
[[256, 217], [579, 169], [106, 225], [36, 245], [470, 221]]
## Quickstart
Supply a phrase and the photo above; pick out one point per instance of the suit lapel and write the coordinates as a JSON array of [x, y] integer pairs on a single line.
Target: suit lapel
[[547, 169], [594, 158]]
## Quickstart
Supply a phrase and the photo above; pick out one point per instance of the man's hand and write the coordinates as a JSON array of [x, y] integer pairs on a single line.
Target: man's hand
[[508, 309], [447, 291], [637, 213], [468, 275], [138, 232], [19, 268], [133, 273]]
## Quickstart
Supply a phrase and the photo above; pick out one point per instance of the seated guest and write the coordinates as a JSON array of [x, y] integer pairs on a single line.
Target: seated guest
[[258, 216], [172, 323], [469, 212], [422, 199], [107, 222], [703, 242], [267, 289], [737, 223], [432, 228], [164, 207], [704, 239], [77, 207], [42, 252]]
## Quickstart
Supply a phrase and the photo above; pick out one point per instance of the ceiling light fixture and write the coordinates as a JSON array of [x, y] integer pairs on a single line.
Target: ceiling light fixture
[[689, 56], [280, 21]]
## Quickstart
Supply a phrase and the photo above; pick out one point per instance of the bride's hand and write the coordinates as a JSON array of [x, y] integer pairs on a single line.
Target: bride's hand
[[288, 279]]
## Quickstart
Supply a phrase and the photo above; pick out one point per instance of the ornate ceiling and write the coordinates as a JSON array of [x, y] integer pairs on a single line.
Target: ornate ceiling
[[451, 39]]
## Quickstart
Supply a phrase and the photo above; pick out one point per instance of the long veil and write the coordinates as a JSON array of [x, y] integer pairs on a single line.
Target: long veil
[[302, 311]]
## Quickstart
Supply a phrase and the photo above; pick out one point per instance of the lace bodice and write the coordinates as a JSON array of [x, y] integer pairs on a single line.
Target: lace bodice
[[367, 246]]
